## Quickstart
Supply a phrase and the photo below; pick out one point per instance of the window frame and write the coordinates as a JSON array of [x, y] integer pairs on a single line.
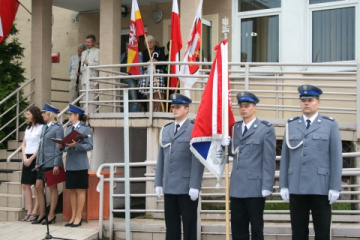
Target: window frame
[[236, 26], [330, 6]]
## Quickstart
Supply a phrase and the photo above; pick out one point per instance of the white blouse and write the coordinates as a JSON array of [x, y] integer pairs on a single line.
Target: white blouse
[[32, 138]]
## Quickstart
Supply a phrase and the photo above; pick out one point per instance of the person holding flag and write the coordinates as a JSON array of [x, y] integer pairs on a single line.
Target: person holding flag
[[254, 150], [178, 173]]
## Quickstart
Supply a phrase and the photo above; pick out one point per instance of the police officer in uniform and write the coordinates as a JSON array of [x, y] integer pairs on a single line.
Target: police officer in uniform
[[252, 178], [310, 167], [178, 173]]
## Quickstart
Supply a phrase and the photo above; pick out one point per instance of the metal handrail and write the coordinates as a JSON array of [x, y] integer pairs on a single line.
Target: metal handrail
[[112, 180]]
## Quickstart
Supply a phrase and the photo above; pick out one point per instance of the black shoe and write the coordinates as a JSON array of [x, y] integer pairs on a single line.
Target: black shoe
[[49, 221], [38, 221], [76, 225], [69, 224]]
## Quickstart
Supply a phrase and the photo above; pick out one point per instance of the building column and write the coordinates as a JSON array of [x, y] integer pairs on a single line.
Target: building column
[[41, 51], [110, 31]]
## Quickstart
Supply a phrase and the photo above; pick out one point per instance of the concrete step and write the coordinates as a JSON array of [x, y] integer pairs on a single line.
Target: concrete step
[[3, 153], [213, 230], [15, 166], [21, 135], [11, 214], [15, 176], [16, 157], [13, 144], [10, 200], [11, 187]]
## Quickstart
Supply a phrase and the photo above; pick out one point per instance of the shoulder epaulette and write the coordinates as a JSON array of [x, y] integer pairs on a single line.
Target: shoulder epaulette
[[266, 123], [239, 122], [168, 124], [292, 119], [328, 118], [57, 124]]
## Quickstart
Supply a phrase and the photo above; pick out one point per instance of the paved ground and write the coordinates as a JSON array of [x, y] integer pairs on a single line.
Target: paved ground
[[27, 231]]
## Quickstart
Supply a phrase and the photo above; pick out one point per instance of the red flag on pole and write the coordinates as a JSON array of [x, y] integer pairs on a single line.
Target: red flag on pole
[[175, 37], [136, 30], [192, 52], [8, 9], [214, 118]]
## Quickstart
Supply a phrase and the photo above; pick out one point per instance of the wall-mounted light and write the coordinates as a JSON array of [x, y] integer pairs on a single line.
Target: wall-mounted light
[[124, 11]]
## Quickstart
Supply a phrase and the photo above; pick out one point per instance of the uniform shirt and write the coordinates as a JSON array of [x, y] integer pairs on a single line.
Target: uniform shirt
[[248, 125], [32, 138], [181, 123], [312, 119]]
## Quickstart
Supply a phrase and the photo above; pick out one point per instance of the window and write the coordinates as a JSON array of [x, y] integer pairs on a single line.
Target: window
[[260, 39], [333, 35], [250, 5], [322, 1]]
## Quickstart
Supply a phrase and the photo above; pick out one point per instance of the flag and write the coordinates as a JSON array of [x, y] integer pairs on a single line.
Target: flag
[[8, 11], [192, 52], [176, 42], [136, 30], [214, 118]]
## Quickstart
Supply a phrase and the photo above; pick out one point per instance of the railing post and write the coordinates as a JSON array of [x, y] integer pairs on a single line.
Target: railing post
[[17, 114], [111, 202], [247, 75], [358, 101], [126, 166], [151, 97]]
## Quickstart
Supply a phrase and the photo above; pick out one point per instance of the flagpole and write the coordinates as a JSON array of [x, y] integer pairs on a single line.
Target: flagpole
[[225, 75], [156, 80], [169, 71]]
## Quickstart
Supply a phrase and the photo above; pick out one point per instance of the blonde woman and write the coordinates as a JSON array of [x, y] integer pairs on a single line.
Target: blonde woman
[[47, 150]]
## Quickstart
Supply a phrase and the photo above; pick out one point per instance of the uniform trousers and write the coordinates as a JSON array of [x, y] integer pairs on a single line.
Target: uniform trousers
[[243, 211], [300, 206], [179, 207]]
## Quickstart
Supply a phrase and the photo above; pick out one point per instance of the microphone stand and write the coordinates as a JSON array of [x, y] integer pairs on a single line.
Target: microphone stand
[[48, 236]]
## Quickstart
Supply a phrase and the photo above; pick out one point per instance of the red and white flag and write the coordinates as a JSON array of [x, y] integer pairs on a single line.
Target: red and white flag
[[192, 52], [176, 42], [214, 118], [8, 9], [136, 30]]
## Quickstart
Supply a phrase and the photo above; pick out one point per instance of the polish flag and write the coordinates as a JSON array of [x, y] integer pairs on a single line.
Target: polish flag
[[215, 118], [176, 42], [8, 9]]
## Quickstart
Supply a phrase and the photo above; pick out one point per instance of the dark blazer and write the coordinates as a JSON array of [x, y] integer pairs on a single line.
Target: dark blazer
[[158, 54]]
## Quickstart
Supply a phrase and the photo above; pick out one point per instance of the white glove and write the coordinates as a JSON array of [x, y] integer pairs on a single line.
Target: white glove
[[265, 193], [225, 141], [284, 192], [333, 196], [159, 192], [194, 194]]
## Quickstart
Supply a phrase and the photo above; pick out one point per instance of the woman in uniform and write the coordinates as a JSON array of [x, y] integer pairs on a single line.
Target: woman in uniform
[[77, 164], [47, 151]]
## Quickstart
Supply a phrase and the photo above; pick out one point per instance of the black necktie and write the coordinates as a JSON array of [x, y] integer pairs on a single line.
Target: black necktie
[[308, 123], [177, 128], [245, 130], [46, 128], [73, 127]]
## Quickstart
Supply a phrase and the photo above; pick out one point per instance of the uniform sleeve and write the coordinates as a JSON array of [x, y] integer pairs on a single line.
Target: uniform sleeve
[[60, 135], [335, 158], [284, 164], [85, 144], [269, 155], [159, 173], [197, 171]]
